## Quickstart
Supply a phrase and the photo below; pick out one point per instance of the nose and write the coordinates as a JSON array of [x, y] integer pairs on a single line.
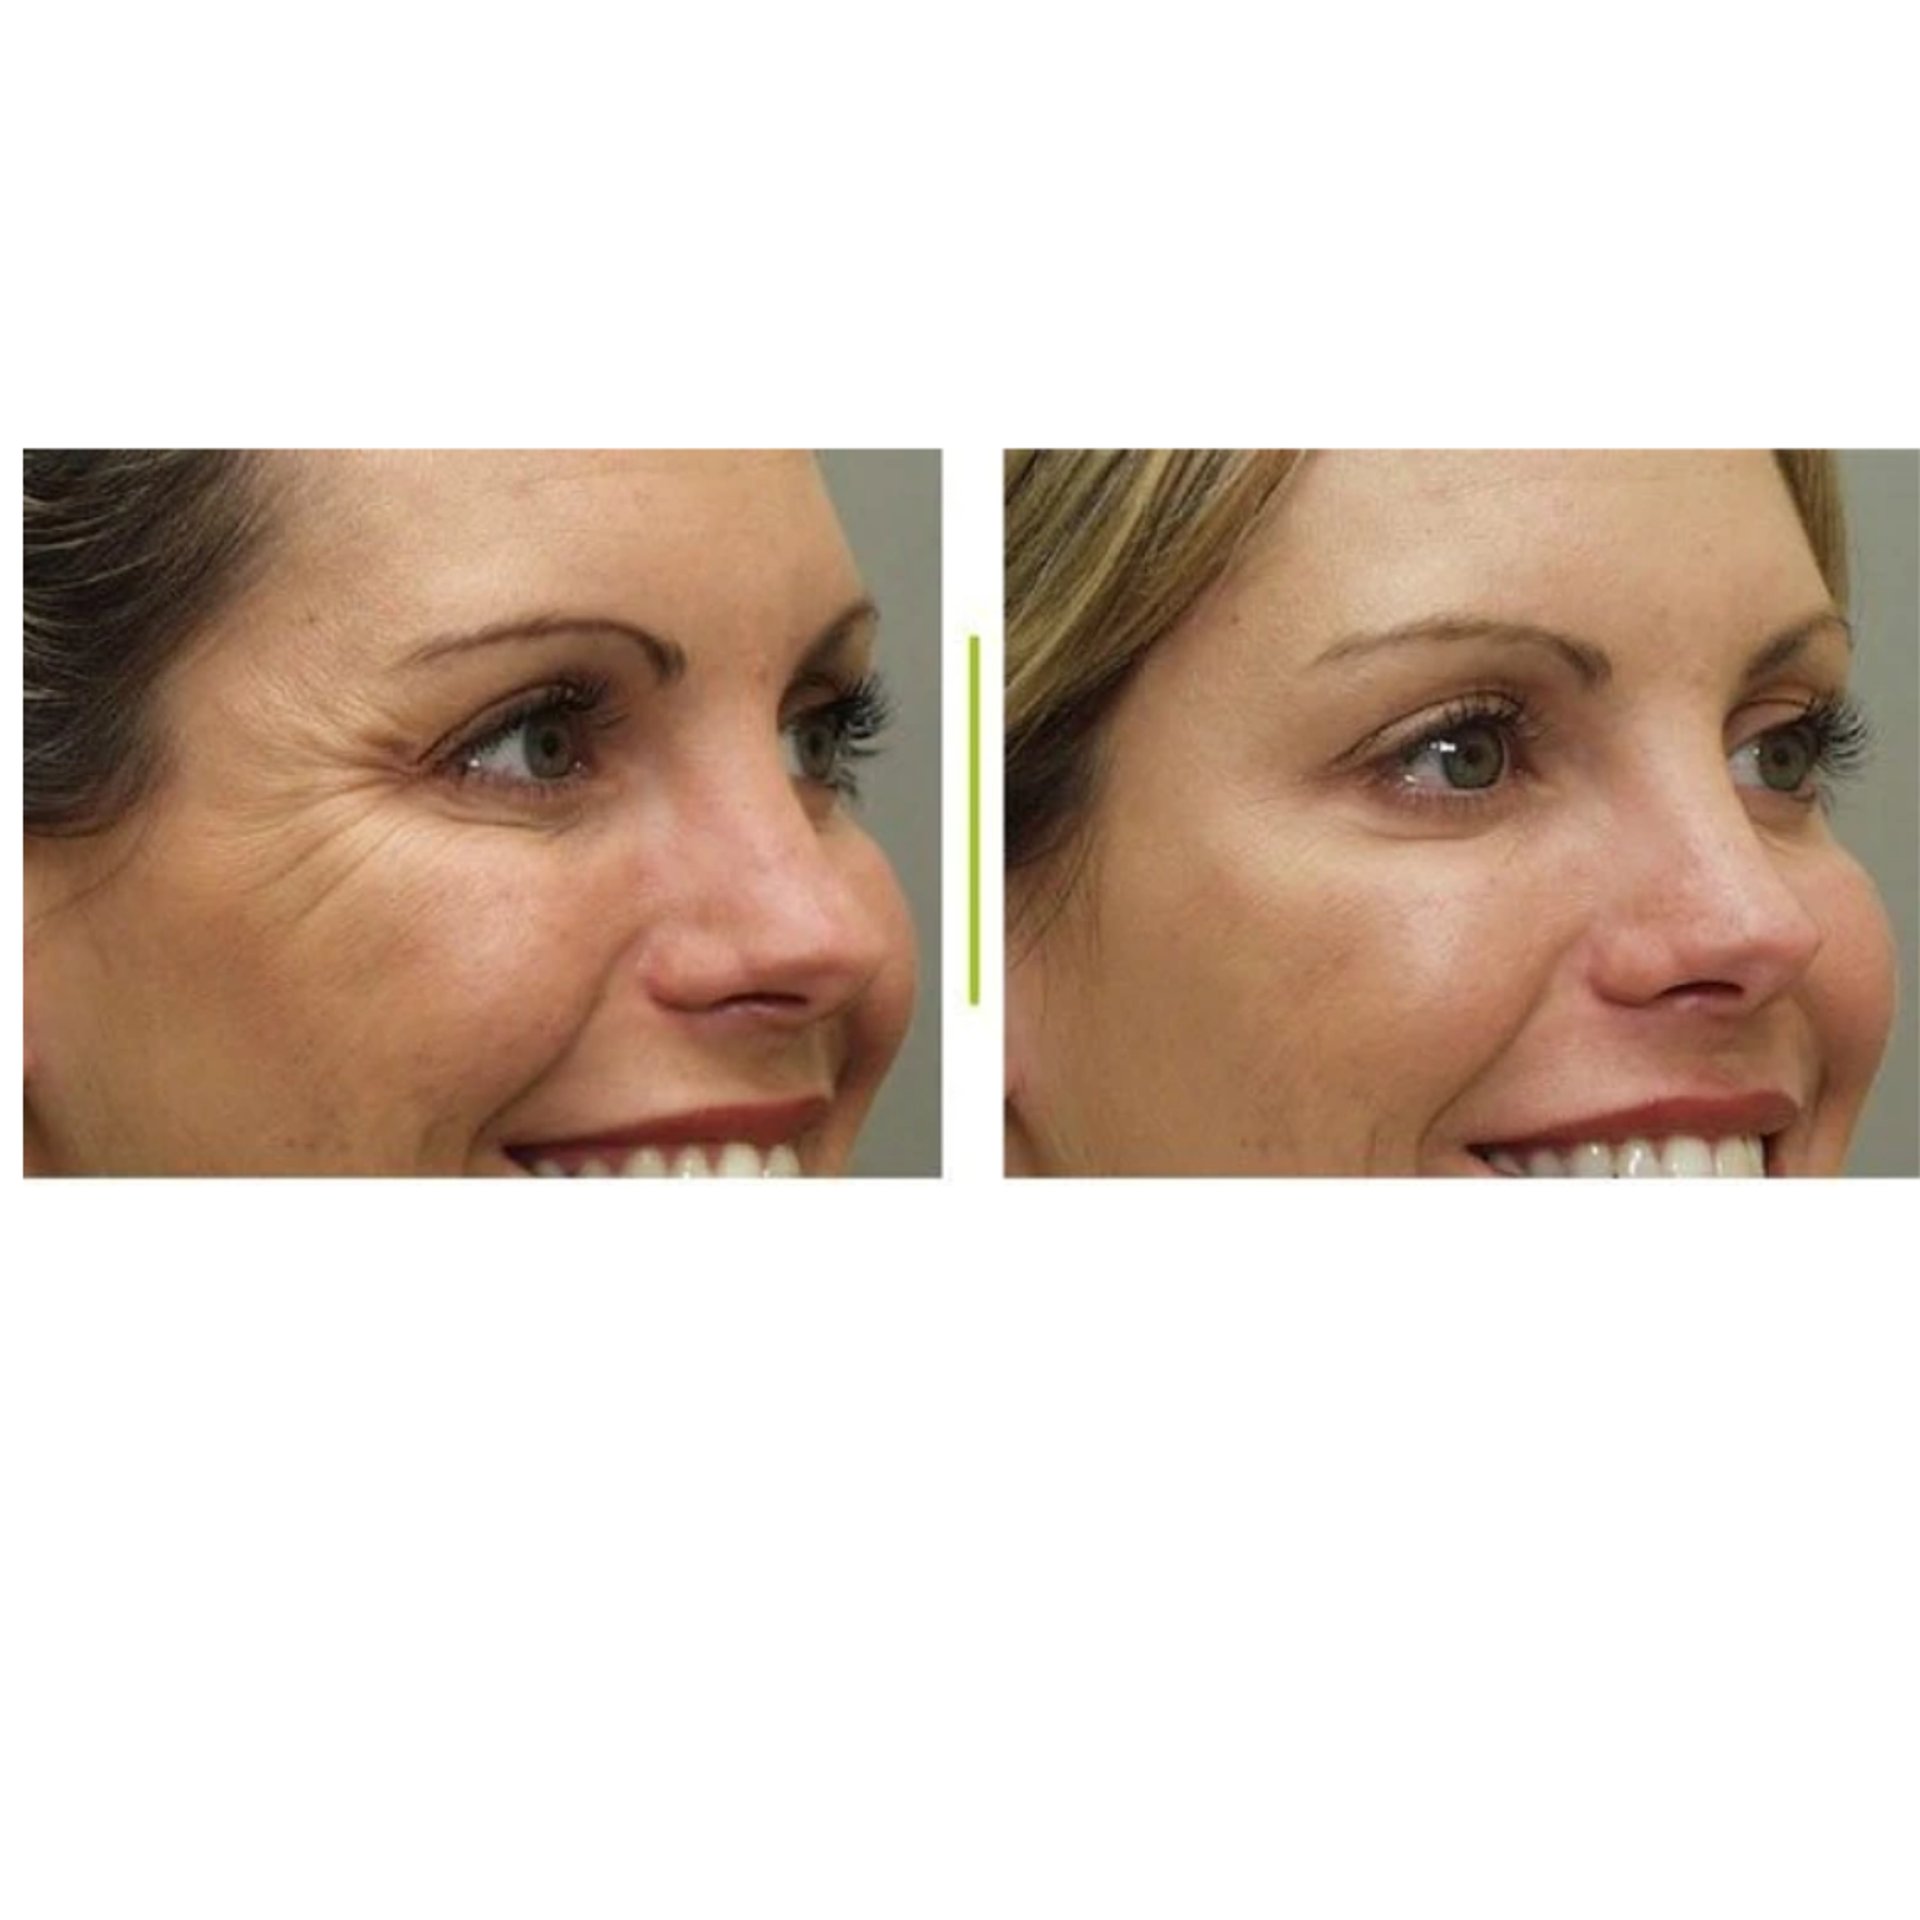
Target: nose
[[763, 913], [1695, 907]]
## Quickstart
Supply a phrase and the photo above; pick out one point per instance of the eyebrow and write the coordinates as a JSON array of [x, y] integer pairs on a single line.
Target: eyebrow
[[667, 657], [1794, 640], [852, 624], [1590, 662]]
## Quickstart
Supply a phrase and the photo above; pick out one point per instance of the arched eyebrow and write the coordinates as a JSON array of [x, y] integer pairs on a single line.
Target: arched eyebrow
[[854, 623], [667, 658], [1590, 662], [1792, 641], [852, 627]]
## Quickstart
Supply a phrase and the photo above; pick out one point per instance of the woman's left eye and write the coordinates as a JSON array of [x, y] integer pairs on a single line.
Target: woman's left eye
[[1797, 760], [823, 743], [1783, 760], [816, 742]]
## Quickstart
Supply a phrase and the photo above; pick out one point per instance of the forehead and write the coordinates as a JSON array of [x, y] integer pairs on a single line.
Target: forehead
[[691, 543], [1609, 544]]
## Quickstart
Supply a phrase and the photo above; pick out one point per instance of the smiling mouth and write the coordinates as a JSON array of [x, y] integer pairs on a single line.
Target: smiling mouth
[[700, 1159], [718, 1143], [1679, 1156], [1688, 1137]]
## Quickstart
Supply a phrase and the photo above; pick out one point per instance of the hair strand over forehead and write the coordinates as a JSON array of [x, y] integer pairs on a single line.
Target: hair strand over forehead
[[1106, 554], [126, 554]]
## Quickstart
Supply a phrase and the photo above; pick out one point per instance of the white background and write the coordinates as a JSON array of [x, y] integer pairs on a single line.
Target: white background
[[942, 1547]]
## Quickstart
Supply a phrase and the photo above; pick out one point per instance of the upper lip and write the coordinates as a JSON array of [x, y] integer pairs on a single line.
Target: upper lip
[[769, 1123], [1708, 1116]]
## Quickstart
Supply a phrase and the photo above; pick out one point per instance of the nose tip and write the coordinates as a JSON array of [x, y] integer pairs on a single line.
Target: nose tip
[[767, 919], [1704, 917]]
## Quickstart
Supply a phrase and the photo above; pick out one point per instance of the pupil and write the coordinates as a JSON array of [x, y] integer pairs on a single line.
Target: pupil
[[551, 755], [1473, 758]]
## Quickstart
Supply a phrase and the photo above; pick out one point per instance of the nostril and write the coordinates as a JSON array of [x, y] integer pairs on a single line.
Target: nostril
[[1710, 991], [763, 1002]]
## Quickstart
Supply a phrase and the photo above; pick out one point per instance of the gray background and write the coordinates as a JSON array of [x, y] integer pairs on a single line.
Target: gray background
[[1878, 816], [889, 504]]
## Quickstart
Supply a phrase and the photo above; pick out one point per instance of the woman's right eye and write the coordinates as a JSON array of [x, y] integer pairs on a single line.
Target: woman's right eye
[[1454, 759], [541, 744], [543, 748], [1467, 756]]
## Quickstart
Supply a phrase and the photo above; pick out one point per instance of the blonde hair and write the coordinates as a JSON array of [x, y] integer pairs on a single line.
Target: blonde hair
[[1108, 552]]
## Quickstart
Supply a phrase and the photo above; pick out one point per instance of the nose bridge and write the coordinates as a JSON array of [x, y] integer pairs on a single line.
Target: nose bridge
[[1694, 901], [760, 909]]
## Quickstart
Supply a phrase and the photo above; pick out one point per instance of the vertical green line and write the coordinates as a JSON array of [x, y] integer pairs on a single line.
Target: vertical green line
[[973, 819]]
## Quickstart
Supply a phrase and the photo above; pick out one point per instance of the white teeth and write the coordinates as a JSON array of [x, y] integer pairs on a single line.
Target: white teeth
[[733, 1160], [1638, 1160], [1689, 1158], [1683, 1156]]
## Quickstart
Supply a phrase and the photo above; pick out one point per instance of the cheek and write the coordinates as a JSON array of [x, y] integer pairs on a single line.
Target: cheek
[[1396, 969], [433, 984], [488, 969], [1851, 984], [885, 1010]]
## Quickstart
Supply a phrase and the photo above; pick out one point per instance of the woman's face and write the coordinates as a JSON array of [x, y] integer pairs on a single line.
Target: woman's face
[[1472, 824], [506, 827]]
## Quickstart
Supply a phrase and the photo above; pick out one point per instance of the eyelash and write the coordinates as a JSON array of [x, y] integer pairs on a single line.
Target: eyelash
[[856, 716], [1838, 733], [1841, 738]]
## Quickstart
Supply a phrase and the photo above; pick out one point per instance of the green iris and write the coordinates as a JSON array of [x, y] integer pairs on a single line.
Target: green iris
[[1785, 759], [550, 747], [1472, 757]]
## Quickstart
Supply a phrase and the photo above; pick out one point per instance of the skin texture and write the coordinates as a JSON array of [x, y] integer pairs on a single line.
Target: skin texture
[[1295, 948], [333, 943]]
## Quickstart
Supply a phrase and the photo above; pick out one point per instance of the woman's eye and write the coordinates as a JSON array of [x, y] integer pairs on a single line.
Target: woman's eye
[[538, 749], [1781, 760], [817, 745], [1468, 757], [824, 743]]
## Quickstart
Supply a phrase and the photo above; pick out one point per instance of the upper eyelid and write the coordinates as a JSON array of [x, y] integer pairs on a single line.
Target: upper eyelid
[[584, 697], [837, 680], [1497, 705], [1487, 706]]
